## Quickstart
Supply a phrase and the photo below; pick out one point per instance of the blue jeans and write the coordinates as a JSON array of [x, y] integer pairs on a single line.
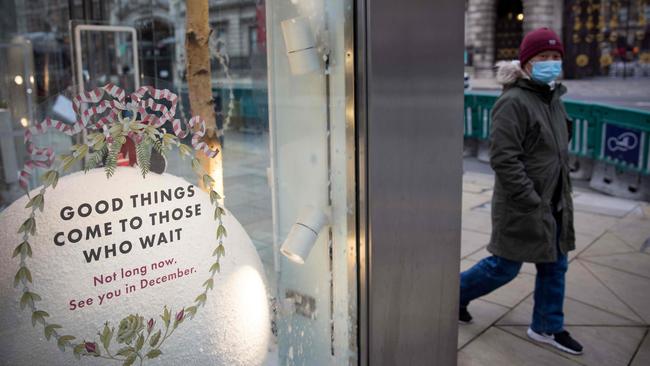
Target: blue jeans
[[493, 272]]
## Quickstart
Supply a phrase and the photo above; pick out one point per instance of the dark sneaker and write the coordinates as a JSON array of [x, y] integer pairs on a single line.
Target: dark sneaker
[[464, 317], [561, 341]]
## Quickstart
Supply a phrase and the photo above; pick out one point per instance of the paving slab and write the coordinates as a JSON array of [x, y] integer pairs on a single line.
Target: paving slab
[[480, 179], [498, 347], [611, 346], [603, 205], [575, 313], [583, 286], [529, 268], [634, 263], [607, 244], [477, 256], [514, 292], [642, 357], [471, 187], [485, 314], [583, 241], [592, 224], [472, 200], [472, 241], [632, 289], [633, 231], [475, 220]]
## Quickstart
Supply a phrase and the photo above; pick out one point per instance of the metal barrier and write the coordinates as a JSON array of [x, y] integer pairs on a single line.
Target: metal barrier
[[613, 135]]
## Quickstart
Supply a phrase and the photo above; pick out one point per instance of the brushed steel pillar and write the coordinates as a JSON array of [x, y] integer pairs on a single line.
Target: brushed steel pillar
[[410, 125]]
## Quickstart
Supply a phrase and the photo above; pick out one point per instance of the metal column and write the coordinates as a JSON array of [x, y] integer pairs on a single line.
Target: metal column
[[409, 113]]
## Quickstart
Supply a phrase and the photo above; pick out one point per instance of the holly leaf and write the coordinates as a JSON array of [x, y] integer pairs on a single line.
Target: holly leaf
[[154, 353]]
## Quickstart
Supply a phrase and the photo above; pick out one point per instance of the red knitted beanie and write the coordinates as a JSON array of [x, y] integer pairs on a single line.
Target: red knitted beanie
[[538, 41]]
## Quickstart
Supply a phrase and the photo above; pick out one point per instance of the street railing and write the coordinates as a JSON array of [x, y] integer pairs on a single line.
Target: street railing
[[614, 135]]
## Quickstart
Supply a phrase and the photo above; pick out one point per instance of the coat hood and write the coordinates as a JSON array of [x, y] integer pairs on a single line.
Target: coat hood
[[509, 71]]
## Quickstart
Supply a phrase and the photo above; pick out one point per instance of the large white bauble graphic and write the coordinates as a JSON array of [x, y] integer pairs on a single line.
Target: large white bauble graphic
[[232, 329]]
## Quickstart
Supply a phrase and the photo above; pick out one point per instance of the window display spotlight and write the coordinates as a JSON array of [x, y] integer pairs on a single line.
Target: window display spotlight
[[303, 234], [301, 46]]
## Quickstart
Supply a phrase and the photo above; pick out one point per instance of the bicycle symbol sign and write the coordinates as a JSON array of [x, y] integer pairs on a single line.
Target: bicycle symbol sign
[[622, 144]]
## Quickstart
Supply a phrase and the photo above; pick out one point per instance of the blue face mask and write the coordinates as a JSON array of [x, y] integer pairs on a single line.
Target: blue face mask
[[546, 71]]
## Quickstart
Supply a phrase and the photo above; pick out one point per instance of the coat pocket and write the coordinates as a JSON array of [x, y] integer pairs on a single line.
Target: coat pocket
[[523, 224]]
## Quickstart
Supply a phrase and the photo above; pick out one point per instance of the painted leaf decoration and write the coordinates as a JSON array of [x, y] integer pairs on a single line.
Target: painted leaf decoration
[[154, 339], [125, 351], [214, 196], [201, 298], [166, 317], [209, 283], [49, 330], [79, 348], [17, 250], [221, 232], [154, 353], [64, 340], [130, 360], [196, 166], [216, 267], [208, 182], [139, 343], [106, 336], [191, 310], [39, 316]]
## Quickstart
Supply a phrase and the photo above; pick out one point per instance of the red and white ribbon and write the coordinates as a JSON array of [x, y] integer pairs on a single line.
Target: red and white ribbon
[[101, 107]]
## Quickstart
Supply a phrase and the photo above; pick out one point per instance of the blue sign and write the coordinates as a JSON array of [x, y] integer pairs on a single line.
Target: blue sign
[[623, 145]]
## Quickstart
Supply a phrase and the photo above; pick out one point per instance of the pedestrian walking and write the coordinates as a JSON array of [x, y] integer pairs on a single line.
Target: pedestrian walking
[[532, 209]]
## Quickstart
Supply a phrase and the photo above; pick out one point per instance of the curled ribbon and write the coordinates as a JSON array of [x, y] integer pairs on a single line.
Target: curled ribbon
[[103, 106]]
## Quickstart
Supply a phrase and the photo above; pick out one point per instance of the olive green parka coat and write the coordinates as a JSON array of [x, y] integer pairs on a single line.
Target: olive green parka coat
[[529, 139]]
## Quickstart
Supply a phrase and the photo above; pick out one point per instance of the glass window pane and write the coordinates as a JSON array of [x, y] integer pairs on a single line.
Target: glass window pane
[[283, 114]]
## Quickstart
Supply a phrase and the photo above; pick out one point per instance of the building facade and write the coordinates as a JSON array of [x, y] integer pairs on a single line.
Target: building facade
[[601, 37]]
